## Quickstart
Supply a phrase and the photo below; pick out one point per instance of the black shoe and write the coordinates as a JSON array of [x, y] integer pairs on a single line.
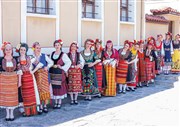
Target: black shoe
[[11, 119], [86, 99], [7, 119], [45, 110], [40, 112], [72, 102], [58, 106], [55, 106], [75, 102], [89, 99], [119, 92], [124, 92]]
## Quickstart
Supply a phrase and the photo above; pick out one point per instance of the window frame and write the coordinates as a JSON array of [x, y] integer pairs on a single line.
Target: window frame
[[34, 7], [126, 9], [84, 12]]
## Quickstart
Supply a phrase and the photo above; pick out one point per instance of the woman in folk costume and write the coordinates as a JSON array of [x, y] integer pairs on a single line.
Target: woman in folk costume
[[41, 64], [8, 88], [122, 68], [90, 86], [158, 47], [176, 55], [74, 73], [150, 57], [100, 72], [27, 81], [111, 58], [167, 51], [58, 73], [141, 64], [132, 77]]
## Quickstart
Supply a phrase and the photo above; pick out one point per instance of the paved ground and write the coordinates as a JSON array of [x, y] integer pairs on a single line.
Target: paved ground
[[156, 105]]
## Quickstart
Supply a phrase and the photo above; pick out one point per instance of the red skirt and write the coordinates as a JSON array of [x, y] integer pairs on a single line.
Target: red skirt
[[121, 72], [99, 75], [149, 69], [141, 70], [43, 85], [75, 80], [28, 93], [8, 89]]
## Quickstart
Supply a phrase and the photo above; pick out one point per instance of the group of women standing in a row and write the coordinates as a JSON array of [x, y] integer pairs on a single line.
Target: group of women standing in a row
[[35, 81]]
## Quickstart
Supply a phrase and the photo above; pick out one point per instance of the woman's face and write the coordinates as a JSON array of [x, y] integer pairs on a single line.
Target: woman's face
[[109, 45], [57, 46], [149, 46], [73, 47], [141, 46], [137, 47], [177, 37], [88, 45], [98, 46], [22, 51], [37, 49], [126, 46], [168, 37], [8, 49]]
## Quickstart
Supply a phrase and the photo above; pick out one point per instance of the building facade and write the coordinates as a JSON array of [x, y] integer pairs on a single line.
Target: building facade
[[71, 20]]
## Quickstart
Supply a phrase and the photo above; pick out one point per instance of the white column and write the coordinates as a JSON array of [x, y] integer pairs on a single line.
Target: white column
[[79, 22], [57, 19], [1, 27], [23, 20], [118, 22], [135, 20], [102, 18]]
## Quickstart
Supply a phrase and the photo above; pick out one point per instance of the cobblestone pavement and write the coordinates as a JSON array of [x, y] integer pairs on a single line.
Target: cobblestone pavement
[[156, 105]]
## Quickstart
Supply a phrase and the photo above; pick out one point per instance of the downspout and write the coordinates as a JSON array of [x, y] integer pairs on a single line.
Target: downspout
[[141, 22]]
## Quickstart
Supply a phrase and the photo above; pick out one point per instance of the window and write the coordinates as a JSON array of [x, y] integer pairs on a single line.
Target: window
[[91, 9], [127, 10], [41, 6]]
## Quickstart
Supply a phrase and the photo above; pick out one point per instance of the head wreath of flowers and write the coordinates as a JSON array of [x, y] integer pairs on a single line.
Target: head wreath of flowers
[[4, 45], [34, 45], [18, 47], [169, 33], [98, 41], [60, 41]]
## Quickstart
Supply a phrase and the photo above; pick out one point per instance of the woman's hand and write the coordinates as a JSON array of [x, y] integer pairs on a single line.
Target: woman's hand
[[91, 65], [78, 66], [59, 66], [46, 68]]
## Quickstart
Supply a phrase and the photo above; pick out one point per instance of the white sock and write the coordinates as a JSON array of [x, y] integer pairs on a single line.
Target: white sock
[[7, 113], [124, 87], [120, 87], [11, 113]]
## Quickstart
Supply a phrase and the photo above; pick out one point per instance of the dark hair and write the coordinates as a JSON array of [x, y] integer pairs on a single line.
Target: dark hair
[[25, 46]]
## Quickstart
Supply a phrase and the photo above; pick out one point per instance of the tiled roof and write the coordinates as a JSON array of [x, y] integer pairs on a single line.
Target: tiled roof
[[167, 10], [155, 18]]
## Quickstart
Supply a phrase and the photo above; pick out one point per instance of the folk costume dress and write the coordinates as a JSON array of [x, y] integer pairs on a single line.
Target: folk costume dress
[[159, 61], [132, 77], [42, 76], [100, 72], [75, 75], [29, 87], [150, 56], [141, 66], [122, 68], [9, 85], [58, 76], [176, 57], [89, 78], [110, 69], [167, 51]]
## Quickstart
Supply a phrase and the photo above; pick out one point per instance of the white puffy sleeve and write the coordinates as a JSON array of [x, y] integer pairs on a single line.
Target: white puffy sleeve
[[49, 61], [172, 52], [82, 61], [67, 62]]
